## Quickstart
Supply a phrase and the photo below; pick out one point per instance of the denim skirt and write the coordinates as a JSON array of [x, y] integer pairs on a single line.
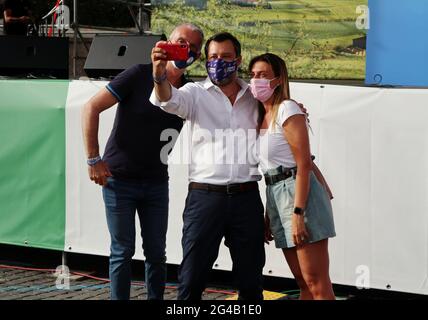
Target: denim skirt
[[318, 215]]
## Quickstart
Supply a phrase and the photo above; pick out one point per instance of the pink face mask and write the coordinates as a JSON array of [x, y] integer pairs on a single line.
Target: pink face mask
[[261, 90]]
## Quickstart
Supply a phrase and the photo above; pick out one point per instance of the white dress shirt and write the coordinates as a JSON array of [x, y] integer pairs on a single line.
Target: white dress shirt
[[222, 136]]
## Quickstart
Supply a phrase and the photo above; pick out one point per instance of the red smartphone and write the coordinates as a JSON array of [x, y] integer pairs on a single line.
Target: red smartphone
[[176, 51]]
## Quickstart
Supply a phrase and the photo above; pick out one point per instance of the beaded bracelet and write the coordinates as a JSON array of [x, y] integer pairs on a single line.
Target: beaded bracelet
[[159, 80], [93, 161]]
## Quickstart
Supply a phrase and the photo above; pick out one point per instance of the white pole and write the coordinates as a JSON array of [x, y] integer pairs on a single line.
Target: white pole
[[75, 24], [140, 13]]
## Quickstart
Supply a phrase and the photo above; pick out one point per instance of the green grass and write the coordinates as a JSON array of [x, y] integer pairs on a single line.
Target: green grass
[[317, 31]]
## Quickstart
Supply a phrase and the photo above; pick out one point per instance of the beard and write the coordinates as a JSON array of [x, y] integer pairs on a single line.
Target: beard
[[224, 82]]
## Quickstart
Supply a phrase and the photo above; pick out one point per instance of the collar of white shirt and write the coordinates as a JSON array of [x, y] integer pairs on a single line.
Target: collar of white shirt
[[207, 84]]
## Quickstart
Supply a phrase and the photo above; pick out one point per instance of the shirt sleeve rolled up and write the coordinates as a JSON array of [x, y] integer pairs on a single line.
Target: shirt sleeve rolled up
[[181, 103]]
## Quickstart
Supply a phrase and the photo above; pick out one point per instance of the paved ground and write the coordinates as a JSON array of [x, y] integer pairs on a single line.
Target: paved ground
[[38, 285]]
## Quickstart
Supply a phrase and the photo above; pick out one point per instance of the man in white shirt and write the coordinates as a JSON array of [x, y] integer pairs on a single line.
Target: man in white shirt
[[223, 198]]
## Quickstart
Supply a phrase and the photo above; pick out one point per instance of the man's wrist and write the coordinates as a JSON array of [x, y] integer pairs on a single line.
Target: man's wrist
[[160, 79], [93, 161], [298, 210]]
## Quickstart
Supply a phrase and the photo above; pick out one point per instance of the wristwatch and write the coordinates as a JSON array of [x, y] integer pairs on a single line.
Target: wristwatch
[[298, 210]]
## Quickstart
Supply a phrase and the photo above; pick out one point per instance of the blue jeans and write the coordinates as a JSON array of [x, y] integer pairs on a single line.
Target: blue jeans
[[150, 199]]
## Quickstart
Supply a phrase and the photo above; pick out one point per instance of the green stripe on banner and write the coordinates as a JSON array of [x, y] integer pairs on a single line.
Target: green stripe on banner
[[32, 162]]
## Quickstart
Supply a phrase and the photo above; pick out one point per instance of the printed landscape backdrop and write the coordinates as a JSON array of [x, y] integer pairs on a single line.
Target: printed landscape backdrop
[[319, 39]]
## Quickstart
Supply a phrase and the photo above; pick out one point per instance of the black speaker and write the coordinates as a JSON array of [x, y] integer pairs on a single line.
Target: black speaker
[[41, 57], [110, 55]]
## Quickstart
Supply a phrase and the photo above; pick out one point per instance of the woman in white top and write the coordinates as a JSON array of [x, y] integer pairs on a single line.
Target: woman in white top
[[298, 211]]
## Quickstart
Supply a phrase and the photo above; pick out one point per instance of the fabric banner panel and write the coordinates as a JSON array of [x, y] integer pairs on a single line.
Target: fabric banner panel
[[370, 143], [397, 46], [32, 163], [399, 191], [86, 225], [86, 230], [373, 151]]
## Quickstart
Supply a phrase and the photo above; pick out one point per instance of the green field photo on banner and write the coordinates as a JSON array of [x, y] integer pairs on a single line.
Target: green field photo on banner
[[319, 39]]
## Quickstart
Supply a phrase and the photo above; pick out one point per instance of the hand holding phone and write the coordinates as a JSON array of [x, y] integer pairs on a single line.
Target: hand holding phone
[[175, 51]]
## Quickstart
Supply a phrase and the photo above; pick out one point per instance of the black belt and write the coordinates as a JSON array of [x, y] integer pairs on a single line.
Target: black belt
[[227, 189], [280, 176]]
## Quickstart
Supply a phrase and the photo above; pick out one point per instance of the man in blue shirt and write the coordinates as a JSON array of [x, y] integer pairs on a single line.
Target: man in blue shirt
[[133, 177]]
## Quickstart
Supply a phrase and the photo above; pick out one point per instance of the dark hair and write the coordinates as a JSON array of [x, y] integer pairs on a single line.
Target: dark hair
[[222, 37], [282, 92]]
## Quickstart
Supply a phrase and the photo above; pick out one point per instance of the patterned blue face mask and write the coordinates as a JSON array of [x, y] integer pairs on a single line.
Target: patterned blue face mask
[[219, 70], [182, 64]]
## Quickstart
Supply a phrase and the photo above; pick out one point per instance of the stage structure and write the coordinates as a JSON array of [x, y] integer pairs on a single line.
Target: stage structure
[[53, 26], [373, 155]]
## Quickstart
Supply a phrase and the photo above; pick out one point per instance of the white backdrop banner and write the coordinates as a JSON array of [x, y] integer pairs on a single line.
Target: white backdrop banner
[[370, 143]]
